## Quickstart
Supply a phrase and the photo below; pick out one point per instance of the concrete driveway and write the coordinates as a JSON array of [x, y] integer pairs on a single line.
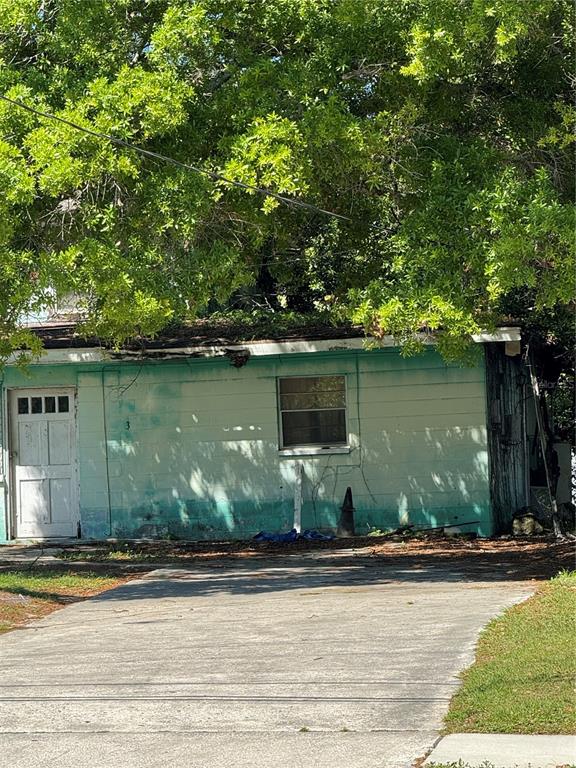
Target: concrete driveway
[[317, 660]]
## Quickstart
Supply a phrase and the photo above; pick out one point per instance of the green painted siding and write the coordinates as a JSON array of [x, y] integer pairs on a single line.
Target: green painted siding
[[190, 448], [3, 471]]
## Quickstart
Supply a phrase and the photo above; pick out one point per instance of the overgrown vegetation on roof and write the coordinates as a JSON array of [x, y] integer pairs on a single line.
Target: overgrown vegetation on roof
[[246, 325]]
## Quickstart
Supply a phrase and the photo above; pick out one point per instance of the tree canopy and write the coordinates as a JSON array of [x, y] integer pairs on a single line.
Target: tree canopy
[[441, 131]]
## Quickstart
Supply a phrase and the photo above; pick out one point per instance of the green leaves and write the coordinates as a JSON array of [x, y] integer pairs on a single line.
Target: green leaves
[[442, 130], [453, 40], [16, 181], [271, 154], [138, 104], [533, 240]]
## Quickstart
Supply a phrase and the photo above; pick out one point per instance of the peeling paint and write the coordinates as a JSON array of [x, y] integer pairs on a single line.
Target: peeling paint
[[190, 449]]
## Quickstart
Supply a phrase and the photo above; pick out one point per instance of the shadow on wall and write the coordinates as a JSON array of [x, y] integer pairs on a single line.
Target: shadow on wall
[[236, 488], [207, 466]]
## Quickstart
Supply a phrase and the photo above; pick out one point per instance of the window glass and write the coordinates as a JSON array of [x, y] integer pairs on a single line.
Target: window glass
[[314, 427], [49, 405], [36, 404], [22, 405], [313, 410], [63, 405], [313, 400]]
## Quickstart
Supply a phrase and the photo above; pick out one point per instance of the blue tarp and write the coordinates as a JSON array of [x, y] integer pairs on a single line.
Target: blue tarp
[[293, 535]]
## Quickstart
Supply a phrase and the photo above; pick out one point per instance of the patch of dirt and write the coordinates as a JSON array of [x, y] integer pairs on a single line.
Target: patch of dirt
[[502, 558], [15, 616], [7, 598], [17, 610]]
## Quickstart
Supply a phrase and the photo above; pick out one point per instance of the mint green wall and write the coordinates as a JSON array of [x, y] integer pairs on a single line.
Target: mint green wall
[[191, 448], [3, 469]]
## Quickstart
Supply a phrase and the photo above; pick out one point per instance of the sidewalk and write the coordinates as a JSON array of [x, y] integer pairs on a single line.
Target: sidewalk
[[504, 750], [26, 554]]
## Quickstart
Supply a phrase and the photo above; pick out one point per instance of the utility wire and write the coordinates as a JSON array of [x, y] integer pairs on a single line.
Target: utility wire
[[165, 158]]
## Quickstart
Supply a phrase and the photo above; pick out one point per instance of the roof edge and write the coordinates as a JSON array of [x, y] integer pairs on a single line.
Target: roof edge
[[253, 348]]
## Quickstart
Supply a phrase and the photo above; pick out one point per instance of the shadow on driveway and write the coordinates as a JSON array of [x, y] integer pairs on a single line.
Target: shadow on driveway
[[346, 570]]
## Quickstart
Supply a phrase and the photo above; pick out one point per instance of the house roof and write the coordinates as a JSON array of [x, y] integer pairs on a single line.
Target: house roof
[[201, 333], [202, 339]]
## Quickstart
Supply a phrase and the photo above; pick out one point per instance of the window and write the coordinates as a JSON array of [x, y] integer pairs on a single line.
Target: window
[[47, 404], [312, 411]]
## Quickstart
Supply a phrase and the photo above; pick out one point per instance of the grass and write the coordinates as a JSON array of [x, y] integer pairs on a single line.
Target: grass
[[27, 595], [481, 558], [459, 764], [523, 677], [112, 555]]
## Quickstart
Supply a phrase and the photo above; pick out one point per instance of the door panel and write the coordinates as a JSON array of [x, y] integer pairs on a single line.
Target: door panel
[[59, 442], [60, 500], [29, 443], [34, 502], [43, 462]]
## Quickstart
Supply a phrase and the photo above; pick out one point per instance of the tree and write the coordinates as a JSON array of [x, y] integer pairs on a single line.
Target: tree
[[443, 132]]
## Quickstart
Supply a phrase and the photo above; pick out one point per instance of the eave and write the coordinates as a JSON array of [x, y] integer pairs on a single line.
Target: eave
[[87, 355]]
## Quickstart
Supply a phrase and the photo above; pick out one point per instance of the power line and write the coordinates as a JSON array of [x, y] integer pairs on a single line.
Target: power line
[[165, 158]]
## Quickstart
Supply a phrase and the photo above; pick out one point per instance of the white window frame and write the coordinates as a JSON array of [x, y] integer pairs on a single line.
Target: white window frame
[[312, 449]]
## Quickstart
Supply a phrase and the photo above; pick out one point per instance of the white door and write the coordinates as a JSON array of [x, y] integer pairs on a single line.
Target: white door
[[43, 460]]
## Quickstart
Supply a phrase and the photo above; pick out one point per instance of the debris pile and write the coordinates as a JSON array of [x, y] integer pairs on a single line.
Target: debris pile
[[293, 535]]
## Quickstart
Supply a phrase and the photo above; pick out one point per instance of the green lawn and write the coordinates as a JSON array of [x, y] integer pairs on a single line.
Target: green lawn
[[460, 764], [523, 678], [103, 555], [30, 594]]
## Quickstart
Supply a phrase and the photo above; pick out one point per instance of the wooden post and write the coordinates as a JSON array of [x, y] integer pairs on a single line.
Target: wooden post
[[544, 447], [505, 387], [298, 498]]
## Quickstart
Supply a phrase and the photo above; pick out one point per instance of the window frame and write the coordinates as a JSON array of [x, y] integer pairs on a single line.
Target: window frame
[[311, 449]]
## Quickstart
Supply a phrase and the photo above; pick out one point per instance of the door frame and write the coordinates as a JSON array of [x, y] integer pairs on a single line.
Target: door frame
[[7, 465], [9, 469]]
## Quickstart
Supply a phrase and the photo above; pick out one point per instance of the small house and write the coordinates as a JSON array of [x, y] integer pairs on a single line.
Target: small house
[[197, 436]]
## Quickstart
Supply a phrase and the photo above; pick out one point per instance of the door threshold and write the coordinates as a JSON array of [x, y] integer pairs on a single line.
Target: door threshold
[[47, 542]]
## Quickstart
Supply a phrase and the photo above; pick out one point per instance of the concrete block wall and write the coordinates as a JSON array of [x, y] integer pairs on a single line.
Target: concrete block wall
[[191, 449], [92, 454], [3, 468]]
